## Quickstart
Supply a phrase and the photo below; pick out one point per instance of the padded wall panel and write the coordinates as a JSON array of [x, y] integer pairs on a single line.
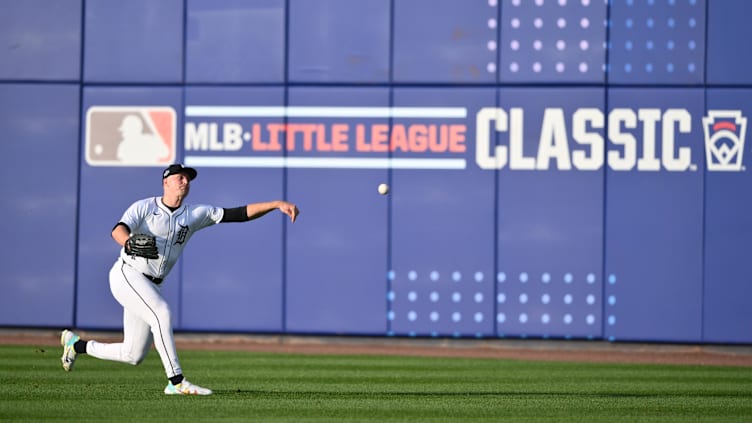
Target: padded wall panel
[[448, 41], [654, 215], [38, 194], [442, 239], [550, 213], [729, 50], [552, 41], [138, 41], [339, 41], [232, 272], [662, 42], [41, 40], [235, 41], [107, 189], [336, 255], [728, 221]]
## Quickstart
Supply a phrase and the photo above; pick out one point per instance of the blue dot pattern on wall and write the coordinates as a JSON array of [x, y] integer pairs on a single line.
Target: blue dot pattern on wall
[[656, 41], [478, 304]]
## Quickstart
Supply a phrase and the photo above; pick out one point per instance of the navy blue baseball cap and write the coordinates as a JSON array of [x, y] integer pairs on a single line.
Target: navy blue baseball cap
[[174, 169]]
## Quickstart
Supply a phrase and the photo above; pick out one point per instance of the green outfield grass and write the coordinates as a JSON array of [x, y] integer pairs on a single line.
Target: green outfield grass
[[302, 388]]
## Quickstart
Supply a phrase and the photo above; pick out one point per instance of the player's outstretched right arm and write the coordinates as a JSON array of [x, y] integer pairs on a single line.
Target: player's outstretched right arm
[[255, 210]]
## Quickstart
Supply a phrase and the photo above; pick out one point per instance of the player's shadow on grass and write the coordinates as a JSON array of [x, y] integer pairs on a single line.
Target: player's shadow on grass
[[428, 394]]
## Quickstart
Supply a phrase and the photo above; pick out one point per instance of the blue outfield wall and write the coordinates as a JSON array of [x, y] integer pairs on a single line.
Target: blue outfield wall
[[558, 169]]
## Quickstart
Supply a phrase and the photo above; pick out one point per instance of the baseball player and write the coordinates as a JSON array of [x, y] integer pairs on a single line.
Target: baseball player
[[153, 233]]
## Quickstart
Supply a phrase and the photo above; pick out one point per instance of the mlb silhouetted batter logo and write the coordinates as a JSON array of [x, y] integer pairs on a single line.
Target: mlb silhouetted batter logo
[[725, 131], [130, 136]]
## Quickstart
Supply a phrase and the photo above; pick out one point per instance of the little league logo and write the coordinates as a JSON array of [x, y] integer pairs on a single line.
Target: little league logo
[[724, 139], [130, 136]]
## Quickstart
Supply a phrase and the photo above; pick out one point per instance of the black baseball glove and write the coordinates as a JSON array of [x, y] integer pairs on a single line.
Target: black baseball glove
[[142, 245]]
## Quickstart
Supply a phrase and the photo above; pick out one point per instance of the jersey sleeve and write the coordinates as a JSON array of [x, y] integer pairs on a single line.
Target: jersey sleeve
[[207, 215], [134, 215]]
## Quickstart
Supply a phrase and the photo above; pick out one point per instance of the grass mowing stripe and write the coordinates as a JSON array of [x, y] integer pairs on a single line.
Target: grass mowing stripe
[[302, 388]]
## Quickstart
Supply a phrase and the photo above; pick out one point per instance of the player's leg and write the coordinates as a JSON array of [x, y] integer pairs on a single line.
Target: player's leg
[[135, 345], [144, 303], [136, 331], [146, 311], [132, 350]]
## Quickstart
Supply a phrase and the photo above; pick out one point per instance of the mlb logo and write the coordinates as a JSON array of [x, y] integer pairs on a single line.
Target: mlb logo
[[724, 139], [130, 136]]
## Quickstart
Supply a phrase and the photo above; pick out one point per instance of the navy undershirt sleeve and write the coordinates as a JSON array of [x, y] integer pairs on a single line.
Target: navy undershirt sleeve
[[235, 214]]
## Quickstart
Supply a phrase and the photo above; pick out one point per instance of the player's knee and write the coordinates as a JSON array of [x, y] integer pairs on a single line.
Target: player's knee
[[134, 359]]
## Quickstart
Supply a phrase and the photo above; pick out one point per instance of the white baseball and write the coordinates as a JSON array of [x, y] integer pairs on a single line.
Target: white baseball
[[383, 189]]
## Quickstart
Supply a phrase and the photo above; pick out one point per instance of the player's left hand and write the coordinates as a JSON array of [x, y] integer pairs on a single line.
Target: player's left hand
[[290, 210]]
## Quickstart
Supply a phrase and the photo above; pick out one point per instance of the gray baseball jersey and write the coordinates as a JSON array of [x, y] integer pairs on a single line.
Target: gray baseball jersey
[[172, 230]]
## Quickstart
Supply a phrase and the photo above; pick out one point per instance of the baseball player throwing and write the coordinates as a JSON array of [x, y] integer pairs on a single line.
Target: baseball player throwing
[[153, 233]]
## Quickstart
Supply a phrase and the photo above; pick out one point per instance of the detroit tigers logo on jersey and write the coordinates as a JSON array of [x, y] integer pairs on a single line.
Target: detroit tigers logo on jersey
[[181, 235], [130, 136]]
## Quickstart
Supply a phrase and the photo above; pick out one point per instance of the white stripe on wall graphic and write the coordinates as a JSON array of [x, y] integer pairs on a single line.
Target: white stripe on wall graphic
[[327, 112], [327, 162]]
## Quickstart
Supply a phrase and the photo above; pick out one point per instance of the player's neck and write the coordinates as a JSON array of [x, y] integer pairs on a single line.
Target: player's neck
[[173, 203]]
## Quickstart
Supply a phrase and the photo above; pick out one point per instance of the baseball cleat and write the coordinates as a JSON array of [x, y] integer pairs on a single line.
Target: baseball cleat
[[186, 388], [67, 340]]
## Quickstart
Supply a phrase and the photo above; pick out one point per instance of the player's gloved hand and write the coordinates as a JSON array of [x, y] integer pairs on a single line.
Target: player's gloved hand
[[142, 245]]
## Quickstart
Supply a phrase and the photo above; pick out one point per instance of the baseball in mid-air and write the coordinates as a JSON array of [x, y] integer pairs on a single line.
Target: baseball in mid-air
[[383, 189]]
